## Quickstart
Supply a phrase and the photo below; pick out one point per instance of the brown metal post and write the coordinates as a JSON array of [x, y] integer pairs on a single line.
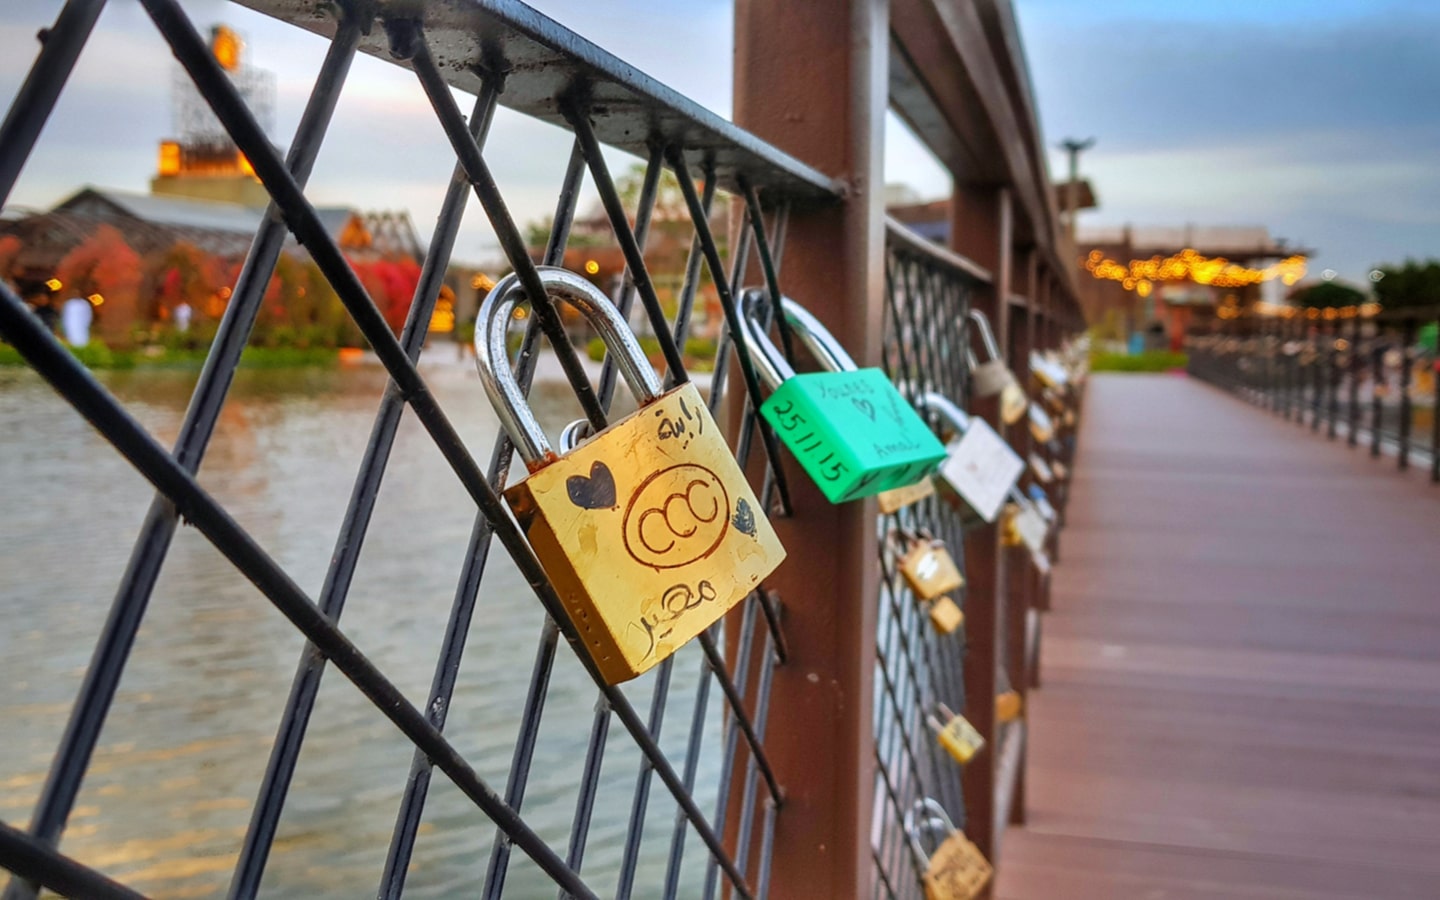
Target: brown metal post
[[981, 228], [811, 79]]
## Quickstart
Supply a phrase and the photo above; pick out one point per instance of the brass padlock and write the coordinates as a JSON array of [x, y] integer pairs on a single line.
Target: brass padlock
[[956, 869], [992, 376], [897, 499], [1061, 471], [1042, 428], [927, 565], [1023, 525], [648, 531], [959, 738], [1008, 706], [945, 615]]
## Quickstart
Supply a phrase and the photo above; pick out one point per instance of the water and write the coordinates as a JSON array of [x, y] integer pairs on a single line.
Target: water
[[168, 795]]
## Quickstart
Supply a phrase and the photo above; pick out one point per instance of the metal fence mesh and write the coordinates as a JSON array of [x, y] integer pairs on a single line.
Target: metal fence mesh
[[700, 706]]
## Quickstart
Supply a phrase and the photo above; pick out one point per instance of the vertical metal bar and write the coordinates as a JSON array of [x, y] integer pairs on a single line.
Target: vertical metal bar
[[1435, 410], [732, 736], [835, 258], [692, 766], [640, 800], [1332, 336], [689, 288], [60, 47], [589, 785], [1407, 338], [1353, 366], [137, 584], [1377, 373]]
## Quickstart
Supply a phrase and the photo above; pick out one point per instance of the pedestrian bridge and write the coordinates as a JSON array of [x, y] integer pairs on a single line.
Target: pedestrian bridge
[[1241, 666]]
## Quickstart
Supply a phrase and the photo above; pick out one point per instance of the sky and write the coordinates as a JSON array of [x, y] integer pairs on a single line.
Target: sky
[[1317, 119]]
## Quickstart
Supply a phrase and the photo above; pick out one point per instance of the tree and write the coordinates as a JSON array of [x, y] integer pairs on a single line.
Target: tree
[[1336, 294], [104, 268], [1413, 284]]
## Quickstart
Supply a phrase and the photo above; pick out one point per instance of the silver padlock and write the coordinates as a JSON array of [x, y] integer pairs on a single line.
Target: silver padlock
[[992, 377]]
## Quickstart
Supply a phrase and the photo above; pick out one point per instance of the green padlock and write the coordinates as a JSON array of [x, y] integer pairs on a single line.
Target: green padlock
[[850, 429]]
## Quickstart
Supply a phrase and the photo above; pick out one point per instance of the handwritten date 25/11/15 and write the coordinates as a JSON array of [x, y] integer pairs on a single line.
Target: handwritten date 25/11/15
[[809, 443]]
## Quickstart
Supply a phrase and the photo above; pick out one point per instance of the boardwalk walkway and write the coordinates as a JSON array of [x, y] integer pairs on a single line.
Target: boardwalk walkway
[[1242, 669]]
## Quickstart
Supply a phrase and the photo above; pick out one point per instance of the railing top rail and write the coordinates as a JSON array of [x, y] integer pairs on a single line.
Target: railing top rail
[[547, 62], [1409, 314], [897, 233]]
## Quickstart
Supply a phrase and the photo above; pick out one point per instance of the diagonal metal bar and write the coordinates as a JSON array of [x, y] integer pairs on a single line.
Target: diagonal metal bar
[[676, 156], [305, 687], [690, 285], [629, 246], [589, 786], [301, 217], [75, 383], [102, 677], [767, 265], [635, 828], [645, 209], [60, 47], [36, 862], [408, 40]]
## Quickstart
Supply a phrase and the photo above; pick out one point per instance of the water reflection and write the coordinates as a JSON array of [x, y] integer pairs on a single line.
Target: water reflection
[[168, 797]]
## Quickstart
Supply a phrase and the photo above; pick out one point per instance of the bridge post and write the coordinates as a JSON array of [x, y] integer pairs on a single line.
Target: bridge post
[[811, 78], [981, 227]]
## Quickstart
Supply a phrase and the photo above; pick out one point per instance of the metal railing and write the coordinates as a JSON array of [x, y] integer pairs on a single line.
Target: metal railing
[[505, 54], [1351, 374]]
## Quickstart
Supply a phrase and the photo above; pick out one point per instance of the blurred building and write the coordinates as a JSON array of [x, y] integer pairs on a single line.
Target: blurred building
[[1150, 285]]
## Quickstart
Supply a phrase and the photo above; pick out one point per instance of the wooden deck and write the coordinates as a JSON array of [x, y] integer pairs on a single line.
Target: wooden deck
[[1241, 671]]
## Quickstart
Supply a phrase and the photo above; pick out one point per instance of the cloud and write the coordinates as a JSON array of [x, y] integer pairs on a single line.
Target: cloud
[[1299, 116]]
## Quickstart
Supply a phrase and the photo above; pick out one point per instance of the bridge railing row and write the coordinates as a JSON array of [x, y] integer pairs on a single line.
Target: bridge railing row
[[1360, 374], [803, 743]]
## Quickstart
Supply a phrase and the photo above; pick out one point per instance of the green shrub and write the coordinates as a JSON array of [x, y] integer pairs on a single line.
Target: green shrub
[[1149, 361]]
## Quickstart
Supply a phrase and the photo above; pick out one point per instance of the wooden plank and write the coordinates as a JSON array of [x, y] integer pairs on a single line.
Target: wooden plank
[[1242, 680]]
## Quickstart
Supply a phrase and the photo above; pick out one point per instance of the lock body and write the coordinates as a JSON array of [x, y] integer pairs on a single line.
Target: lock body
[[957, 870], [1008, 706], [946, 616], [852, 432], [897, 499], [960, 739], [930, 570], [649, 532]]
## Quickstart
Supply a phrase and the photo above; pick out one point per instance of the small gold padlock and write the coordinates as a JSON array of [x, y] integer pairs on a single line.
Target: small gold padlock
[[1042, 470], [959, 738], [1009, 529], [1008, 706], [956, 870], [928, 568], [1061, 471], [897, 499], [648, 531], [946, 616]]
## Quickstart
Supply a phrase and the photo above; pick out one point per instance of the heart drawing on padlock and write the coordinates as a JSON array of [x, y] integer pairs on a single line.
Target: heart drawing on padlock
[[594, 492], [744, 520]]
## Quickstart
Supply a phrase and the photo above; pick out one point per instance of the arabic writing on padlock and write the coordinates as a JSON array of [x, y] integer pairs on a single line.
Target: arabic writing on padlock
[[649, 530]]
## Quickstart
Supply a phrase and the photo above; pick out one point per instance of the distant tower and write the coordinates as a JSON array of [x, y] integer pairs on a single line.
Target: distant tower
[[203, 163]]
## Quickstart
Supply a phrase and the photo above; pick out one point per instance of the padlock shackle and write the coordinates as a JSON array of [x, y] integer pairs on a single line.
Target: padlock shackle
[[946, 409], [933, 814], [770, 363], [987, 336], [493, 360]]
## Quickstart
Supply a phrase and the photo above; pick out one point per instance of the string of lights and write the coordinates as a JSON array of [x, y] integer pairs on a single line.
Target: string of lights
[[1189, 264]]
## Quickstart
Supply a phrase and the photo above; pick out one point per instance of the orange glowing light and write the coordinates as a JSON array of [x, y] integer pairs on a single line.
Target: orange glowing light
[[169, 158], [96, 300], [1190, 265], [227, 46], [592, 267]]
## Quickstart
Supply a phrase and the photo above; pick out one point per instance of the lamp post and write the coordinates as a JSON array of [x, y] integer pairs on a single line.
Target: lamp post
[[1072, 198]]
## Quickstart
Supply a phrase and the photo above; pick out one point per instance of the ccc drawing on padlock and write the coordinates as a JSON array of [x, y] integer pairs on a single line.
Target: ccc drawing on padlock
[[648, 530]]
